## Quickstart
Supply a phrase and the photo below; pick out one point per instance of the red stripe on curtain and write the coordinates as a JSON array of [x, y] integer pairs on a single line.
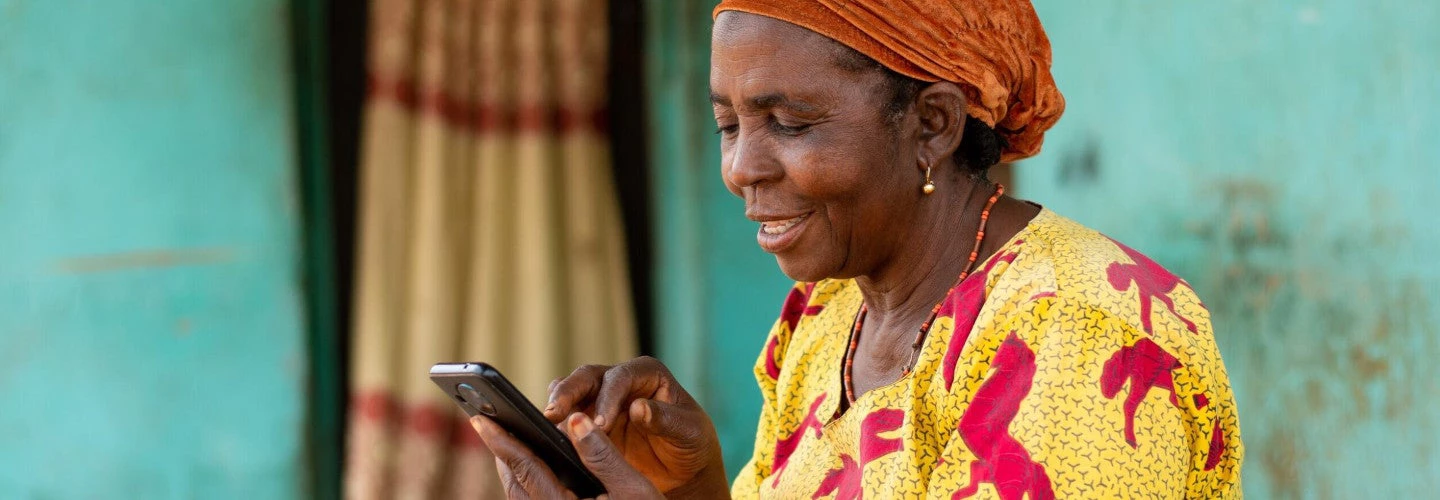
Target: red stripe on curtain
[[383, 409], [487, 201], [486, 117]]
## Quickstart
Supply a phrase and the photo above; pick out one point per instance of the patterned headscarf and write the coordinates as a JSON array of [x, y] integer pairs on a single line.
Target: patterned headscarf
[[995, 49]]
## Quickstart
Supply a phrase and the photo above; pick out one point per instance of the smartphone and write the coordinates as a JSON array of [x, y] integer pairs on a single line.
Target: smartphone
[[480, 389]]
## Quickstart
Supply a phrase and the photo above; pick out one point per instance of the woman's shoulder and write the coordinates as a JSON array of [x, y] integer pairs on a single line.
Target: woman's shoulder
[[1094, 270]]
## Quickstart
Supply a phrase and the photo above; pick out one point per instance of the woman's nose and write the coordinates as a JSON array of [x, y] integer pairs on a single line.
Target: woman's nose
[[751, 161]]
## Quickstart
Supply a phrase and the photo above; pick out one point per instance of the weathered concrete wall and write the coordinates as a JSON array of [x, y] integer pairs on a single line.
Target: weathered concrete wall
[[1282, 156]]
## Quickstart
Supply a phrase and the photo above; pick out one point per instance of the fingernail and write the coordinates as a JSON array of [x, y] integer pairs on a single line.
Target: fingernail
[[644, 409], [599, 421], [550, 407], [581, 425], [475, 423]]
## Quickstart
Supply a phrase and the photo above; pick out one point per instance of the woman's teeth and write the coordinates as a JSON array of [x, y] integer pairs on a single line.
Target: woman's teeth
[[780, 226]]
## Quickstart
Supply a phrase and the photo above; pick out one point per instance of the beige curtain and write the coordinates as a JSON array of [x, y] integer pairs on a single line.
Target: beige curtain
[[490, 228]]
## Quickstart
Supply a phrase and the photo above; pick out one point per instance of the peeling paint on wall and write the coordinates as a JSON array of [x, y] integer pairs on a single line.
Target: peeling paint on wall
[[145, 259]]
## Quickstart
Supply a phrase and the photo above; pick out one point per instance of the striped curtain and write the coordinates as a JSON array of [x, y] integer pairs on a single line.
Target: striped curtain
[[489, 227]]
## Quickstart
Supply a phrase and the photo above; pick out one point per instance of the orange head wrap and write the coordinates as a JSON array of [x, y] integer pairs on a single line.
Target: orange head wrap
[[995, 49]]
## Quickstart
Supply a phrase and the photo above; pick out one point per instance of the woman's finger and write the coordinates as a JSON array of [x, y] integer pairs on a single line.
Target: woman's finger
[[513, 490], [523, 474], [574, 392], [666, 420], [637, 378], [605, 461]]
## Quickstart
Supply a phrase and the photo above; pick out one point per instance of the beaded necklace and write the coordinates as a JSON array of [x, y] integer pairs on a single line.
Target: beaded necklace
[[934, 311]]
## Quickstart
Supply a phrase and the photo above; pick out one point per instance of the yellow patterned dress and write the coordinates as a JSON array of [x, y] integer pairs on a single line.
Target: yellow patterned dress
[[1067, 366]]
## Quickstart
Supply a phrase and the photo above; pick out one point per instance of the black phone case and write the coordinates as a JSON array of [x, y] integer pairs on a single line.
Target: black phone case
[[515, 413]]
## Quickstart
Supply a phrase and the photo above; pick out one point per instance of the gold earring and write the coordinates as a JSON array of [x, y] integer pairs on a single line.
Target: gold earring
[[929, 186]]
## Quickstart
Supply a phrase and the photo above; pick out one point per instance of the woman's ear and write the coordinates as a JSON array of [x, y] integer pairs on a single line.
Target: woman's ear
[[940, 108]]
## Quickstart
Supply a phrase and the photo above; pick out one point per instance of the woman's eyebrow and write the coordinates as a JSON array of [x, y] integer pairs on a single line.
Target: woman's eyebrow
[[718, 100], [767, 101]]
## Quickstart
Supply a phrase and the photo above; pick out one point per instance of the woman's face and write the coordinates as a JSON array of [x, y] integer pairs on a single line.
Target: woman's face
[[808, 145]]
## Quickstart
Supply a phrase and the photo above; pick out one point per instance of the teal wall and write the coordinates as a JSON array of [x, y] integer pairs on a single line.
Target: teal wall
[[151, 329], [1280, 155]]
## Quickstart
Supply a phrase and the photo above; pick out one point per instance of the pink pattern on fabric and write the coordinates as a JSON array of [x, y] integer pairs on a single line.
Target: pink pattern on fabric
[[963, 304], [872, 446], [785, 447], [772, 366], [1151, 282], [1145, 365], [796, 306], [843, 482], [985, 428], [1217, 447]]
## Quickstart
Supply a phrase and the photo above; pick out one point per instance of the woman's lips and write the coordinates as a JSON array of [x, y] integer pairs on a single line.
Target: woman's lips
[[778, 235]]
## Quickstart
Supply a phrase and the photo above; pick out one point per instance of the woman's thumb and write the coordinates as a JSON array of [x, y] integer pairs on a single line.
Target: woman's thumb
[[604, 460]]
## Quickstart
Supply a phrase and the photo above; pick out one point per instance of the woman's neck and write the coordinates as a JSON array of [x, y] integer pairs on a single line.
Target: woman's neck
[[940, 241]]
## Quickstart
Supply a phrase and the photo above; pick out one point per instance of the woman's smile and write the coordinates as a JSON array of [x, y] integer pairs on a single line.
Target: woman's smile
[[777, 235]]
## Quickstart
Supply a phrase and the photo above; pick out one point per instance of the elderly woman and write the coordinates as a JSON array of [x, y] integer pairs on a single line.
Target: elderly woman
[[945, 340]]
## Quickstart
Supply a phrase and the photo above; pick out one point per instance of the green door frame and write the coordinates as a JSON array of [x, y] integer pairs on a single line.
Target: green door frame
[[324, 432]]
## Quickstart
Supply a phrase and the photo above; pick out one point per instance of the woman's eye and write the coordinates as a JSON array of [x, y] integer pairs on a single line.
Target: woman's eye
[[788, 129], [727, 129]]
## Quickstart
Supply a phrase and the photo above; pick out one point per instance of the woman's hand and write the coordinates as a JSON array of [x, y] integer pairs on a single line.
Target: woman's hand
[[659, 429], [526, 476]]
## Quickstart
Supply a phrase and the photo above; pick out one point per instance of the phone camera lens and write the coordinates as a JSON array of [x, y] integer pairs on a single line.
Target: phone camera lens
[[475, 400], [468, 393]]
